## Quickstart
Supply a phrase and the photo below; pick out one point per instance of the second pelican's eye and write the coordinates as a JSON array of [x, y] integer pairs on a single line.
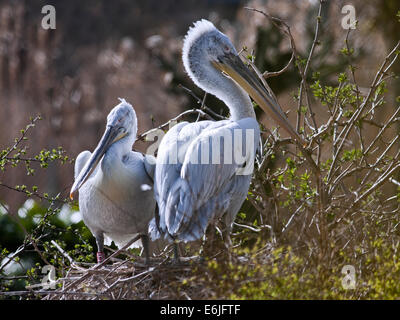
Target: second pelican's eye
[[227, 49]]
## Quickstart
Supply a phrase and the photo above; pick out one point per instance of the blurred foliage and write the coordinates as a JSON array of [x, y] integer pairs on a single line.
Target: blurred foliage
[[264, 272], [25, 235]]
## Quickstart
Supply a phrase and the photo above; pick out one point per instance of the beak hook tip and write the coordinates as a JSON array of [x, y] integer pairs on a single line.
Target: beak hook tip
[[72, 195]]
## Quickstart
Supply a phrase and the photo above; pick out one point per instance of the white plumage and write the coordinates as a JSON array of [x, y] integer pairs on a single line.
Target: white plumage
[[114, 204], [192, 194]]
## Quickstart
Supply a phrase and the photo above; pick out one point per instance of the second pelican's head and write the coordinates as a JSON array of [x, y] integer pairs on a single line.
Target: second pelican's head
[[211, 61], [121, 124]]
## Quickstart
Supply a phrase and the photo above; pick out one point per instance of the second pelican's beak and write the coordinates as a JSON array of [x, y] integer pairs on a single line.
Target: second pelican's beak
[[111, 135], [233, 66]]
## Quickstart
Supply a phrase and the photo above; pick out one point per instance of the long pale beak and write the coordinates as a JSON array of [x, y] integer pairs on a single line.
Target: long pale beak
[[108, 138], [233, 66]]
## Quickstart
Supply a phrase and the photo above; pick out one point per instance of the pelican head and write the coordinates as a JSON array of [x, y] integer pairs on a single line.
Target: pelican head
[[121, 124], [213, 63]]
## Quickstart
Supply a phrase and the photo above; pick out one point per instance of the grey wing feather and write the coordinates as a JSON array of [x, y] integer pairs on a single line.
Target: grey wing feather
[[149, 165], [203, 192], [80, 161], [170, 156]]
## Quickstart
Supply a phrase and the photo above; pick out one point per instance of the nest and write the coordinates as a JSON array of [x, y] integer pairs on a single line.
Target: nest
[[128, 277], [122, 280]]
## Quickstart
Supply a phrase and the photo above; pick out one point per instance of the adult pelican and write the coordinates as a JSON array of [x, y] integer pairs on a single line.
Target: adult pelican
[[191, 194], [116, 197]]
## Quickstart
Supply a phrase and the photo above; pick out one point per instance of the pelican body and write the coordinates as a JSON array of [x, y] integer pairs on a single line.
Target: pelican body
[[115, 184], [192, 194]]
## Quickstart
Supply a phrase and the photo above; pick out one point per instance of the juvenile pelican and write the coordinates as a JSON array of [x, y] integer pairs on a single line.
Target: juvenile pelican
[[116, 197], [191, 194]]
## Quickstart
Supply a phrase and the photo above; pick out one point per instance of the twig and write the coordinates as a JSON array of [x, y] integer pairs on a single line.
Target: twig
[[357, 114], [202, 103], [303, 83], [65, 254], [175, 119], [76, 282]]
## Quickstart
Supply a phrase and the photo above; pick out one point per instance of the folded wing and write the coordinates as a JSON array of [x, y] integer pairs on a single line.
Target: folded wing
[[211, 176]]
